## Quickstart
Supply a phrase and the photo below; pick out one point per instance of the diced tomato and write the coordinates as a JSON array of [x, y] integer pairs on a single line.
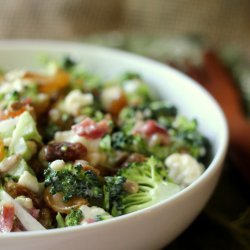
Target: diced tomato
[[7, 218], [150, 129], [90, 129]]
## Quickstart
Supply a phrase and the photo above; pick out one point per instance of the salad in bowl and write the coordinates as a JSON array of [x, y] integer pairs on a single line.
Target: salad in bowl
[[76, 149]]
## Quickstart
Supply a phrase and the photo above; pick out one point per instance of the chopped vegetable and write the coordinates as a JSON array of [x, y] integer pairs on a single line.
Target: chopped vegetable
[[76, 149], [74, 218], [153, 187], [7, 217], [25, 218], [73, 181]]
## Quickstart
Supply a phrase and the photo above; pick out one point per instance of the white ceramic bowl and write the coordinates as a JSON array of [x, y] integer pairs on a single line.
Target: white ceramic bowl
[[153, 227]]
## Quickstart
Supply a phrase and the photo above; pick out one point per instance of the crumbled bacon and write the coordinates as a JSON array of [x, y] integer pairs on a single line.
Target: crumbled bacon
[[91, 129], [7, 218], [34, 212], [151, 129], [90, 220]]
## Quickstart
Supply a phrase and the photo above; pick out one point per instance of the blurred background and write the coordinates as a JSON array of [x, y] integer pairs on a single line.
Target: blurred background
[[179, 33], [221, 21]]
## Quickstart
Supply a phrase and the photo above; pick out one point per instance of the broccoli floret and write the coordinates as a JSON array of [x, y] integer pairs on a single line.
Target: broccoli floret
[[137, 91], [74, 218], [186, 137], [130, 76], [9, 98], [73, 181], [105, 144], [159, 111], [112, 189], [162, 108], [67, 63], [49, 131], [127, 119], [153, 186], [162, 112], [105, 216], [121, 141]]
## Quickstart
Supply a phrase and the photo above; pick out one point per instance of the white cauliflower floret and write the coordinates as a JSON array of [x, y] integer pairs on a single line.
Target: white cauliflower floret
[[131, 86], [76, 100], [25, 202], [57, 165], [13, 81], [14, 75], [183, 169], [30, 181], [91, 214]]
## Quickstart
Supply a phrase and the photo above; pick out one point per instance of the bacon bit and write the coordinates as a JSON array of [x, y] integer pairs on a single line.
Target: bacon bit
[[2, 153], [90, 129], [90, 220], [34, 212], [7, 218], [151, 129]]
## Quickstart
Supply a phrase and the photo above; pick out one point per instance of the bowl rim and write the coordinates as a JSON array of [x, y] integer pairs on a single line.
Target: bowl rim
[[58, 45]]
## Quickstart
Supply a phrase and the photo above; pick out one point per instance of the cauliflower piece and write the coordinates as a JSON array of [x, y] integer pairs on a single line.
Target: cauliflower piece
[[14, 75], [183, 169], [14, 81], [25, 202], [29, 181], [57, 165], [91, 214], [76, 100], [131, 86]]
